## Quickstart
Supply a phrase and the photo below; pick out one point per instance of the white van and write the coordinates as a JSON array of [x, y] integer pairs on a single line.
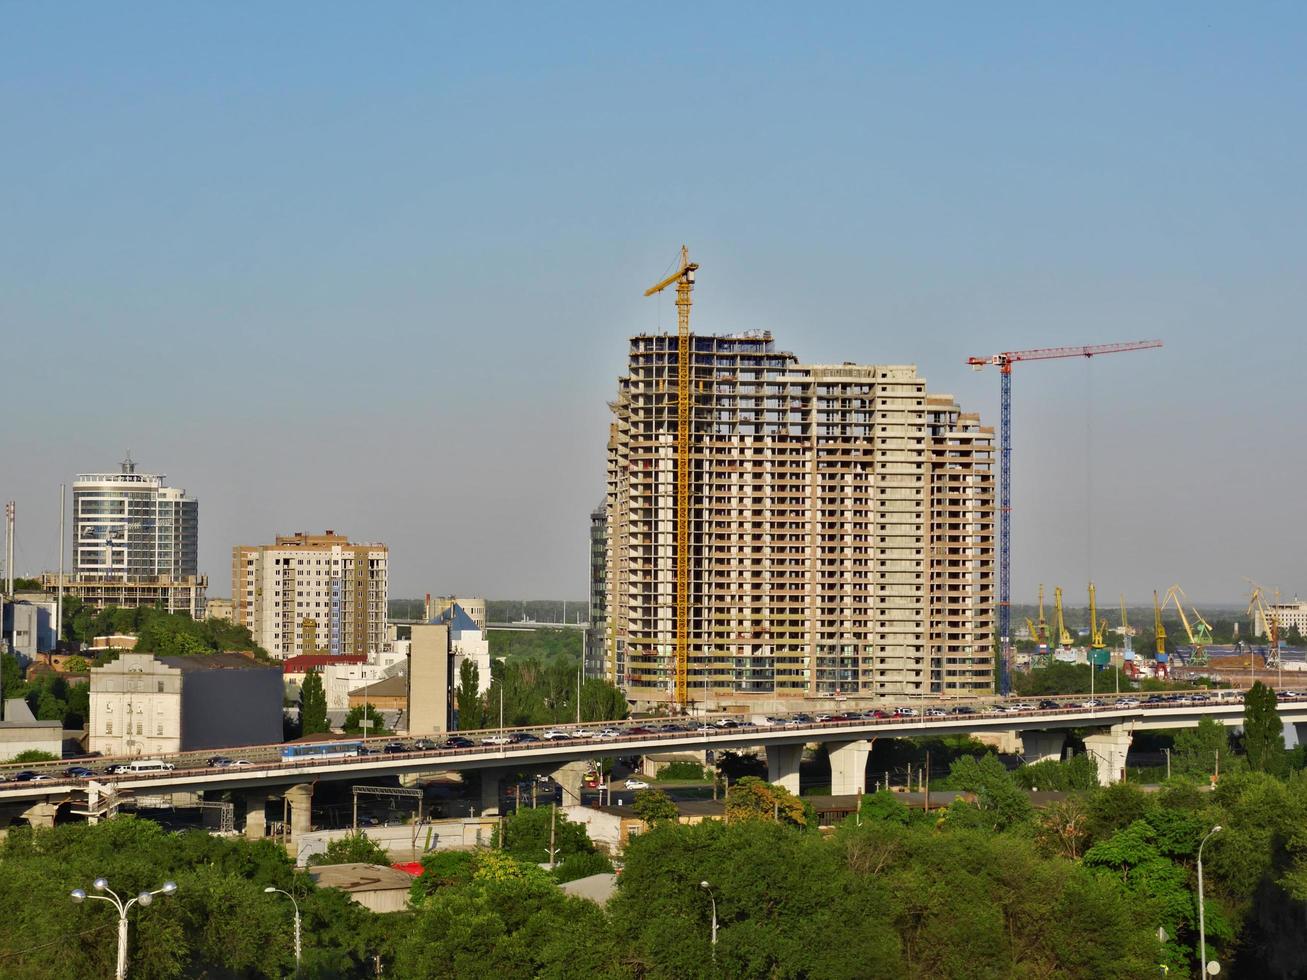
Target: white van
[[147, 765]]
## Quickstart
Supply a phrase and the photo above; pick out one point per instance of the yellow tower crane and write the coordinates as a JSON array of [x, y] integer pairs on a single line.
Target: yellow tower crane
[[1272, 625], [1098, 655], [1159, 631], [684, 280]]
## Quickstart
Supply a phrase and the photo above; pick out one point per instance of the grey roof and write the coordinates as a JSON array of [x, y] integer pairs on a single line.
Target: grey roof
[[395, 685], [360, 877], [216, 661], [598, 888], [16, 709]]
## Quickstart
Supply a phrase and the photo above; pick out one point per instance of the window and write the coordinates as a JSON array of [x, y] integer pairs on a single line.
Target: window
[[160, 687], [160, 729], [108, 726], [140, 725]]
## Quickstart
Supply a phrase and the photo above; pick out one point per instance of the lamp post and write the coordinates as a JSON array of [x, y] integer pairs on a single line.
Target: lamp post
[[270, 890], [1202, 921], [79, 895], [712, 898]]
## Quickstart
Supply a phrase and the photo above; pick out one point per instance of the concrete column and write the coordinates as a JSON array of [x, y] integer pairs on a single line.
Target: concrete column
[[490, 792], [41, 814], [1042, 746], [301, 810], [848, 767], [1108, 750], [571, 777], [783, 765], [256, 815], [1300, 729]]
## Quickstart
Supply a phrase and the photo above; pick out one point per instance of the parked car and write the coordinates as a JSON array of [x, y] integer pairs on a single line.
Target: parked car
[[634, 783]]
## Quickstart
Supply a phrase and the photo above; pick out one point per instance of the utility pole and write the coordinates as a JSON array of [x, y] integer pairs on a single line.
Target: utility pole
[[9, 548], [59, 602], [553, 819]]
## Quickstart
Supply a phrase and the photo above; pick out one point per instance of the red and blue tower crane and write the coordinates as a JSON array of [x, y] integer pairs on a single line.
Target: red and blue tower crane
[[1004, 362]]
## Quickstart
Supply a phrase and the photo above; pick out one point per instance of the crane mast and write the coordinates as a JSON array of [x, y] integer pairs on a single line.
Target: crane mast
[[1063, 637], [1004, 361], [684, 280]]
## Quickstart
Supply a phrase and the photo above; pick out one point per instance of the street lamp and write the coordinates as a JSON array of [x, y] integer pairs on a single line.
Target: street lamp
[[1202, 922], [712, 898], [270, 890], [79, 895]]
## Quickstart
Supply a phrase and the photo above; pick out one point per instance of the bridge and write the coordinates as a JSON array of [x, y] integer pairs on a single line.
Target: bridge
[[1042, 732]]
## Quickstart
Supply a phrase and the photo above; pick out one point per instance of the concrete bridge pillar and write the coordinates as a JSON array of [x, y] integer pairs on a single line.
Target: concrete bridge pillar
[[848, 767], [41, 815], [490, 792], [256, 815], [1042, 746], [1109, 750], [570, 777], [783, 765], [1300, 729], [300, 799]]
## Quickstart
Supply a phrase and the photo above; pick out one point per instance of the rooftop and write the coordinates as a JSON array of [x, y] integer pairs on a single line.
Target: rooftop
[[360, 877]]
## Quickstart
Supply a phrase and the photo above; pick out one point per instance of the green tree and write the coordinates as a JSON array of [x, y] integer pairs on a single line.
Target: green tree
[[353, 724], [471, 709], [1263, 732], [77, 665], [883, 806], [356, 848], [313, 705], [601, 701], [1195, 751], [997, 793], [751, 798], [653, 805], [526, 835]]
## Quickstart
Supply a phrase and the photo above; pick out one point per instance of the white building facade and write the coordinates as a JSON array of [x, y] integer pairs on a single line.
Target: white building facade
[[312, 594], [131, 526]]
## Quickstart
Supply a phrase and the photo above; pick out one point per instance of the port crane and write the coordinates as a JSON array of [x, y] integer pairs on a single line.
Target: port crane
[[1098, 656], [1258, 603], [1039, 633], [1063, 636], [1201, 637], [1159, 633], [1004, 361], [683, 279], [1126, 630]]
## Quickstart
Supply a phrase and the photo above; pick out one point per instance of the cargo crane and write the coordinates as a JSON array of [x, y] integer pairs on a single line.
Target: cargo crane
[[1199, 639], [1159, 637], [1004, 362], [1063, 636], [1098, 655], [1039, 633], [1258, 603], [684, 280], [1126, 633]]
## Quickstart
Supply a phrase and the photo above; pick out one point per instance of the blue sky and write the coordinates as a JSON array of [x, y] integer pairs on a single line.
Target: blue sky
[[373, 268]]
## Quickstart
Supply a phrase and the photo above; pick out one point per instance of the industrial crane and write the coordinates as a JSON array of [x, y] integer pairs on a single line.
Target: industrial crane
[[1098, 655], [684, 280], [1126, 632], [1039, 633], [1063, 636], [1258, 603], [1004, 362], [1201, 638], [1159, 634]]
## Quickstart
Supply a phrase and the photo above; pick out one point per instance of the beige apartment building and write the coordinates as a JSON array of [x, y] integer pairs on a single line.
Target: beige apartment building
[[841, 530], [311, 594]]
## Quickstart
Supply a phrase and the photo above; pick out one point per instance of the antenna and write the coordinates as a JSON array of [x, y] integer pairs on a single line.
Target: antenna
[[128, 465]]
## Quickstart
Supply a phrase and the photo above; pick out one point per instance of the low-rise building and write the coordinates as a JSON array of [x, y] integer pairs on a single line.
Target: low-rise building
[[467, 641], [387, 694], [218, 609], [374, 886], [169, 593], [1288, 615], [145, 705]]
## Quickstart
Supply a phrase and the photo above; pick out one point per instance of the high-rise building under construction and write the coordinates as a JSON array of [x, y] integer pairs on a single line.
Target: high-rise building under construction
[[841, 535]]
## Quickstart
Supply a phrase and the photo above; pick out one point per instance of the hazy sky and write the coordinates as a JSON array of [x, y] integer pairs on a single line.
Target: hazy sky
[[373, 267]]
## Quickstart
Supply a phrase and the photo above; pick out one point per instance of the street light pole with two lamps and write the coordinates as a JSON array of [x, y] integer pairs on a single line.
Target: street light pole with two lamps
[[1202, 922], [270, 890], [79, 895], [712, 898]]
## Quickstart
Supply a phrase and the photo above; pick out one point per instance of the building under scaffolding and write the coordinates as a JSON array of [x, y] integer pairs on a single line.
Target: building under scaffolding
[[842, 529]]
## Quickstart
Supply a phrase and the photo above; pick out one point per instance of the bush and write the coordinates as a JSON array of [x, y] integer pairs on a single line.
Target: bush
[[352, 849], [682, 769], [33, 755]]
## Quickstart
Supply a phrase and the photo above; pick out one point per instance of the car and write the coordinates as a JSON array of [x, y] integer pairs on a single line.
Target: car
[[634, 783], [935, 713], [824, 719], [1023, 706], [499, 739], [30, 776], [962, 709], [555, 735], [241, 763], [640, 730], [706, 729], [79, 772], [607, 733], [583, 733], [395, 748], [218, 762], [1048, 705], [905, 712], [801, 718], [727, 723], [1091, 703], [118, 769], [1127, 702], [423, 745], [457, 742], [521, 737]]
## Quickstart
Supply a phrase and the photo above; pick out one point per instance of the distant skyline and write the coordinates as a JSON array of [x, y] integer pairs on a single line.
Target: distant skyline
[[374, 270]]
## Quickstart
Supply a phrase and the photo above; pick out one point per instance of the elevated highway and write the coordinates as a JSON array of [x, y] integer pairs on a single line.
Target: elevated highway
[[1110, 729]]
